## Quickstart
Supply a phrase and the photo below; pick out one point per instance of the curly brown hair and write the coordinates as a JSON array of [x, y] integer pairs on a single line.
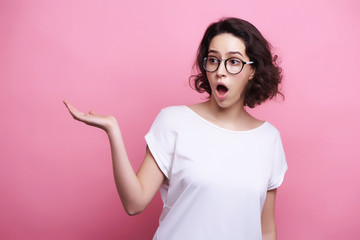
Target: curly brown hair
[[265, 83]]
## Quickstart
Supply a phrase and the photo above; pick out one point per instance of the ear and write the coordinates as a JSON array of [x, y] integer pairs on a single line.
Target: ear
[[252, 73]]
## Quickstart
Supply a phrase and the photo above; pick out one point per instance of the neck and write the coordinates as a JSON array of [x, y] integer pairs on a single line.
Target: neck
[[233, 113]]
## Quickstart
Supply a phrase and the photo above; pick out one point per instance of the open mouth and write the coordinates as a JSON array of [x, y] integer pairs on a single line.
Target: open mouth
[[222, 90]]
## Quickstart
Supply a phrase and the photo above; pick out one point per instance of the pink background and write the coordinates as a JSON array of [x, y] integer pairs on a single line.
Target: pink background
[[55, 173]]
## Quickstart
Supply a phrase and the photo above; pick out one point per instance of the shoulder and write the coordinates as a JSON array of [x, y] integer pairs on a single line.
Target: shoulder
[[271, 131], [173, 109], [172, 112], [170, 116], [271, 128]]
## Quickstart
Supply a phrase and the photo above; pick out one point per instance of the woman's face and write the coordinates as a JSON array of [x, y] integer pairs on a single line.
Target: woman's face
[[227, 89]]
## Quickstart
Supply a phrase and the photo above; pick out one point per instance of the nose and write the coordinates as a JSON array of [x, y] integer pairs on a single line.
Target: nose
[[221, 69]]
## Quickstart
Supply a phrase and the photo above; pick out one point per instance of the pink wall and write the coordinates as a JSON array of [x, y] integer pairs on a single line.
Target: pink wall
[[55, 174]]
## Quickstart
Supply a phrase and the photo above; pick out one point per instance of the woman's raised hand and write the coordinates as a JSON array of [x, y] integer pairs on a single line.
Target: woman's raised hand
[[135, 190], [92, 118]]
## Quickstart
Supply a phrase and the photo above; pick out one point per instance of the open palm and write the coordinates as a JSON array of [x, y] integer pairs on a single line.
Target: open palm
[[93, 119]]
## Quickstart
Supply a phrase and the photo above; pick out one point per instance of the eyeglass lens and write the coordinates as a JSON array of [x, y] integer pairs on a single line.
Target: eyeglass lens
[[232, 65]]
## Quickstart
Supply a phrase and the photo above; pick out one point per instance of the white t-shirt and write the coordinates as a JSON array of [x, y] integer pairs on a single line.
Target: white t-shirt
[[217, 179]]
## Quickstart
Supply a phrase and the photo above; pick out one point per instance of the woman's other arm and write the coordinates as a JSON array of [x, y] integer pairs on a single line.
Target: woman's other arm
[[268, 225], [135, 190]]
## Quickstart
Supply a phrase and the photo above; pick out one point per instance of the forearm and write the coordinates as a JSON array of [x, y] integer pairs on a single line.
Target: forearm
[[128, 185]]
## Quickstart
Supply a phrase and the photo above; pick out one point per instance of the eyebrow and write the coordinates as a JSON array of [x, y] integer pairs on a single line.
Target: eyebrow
[[231, 52]]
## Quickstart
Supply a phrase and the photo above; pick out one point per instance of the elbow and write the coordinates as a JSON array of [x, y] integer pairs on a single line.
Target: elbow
[[133, 211], [134, 206]]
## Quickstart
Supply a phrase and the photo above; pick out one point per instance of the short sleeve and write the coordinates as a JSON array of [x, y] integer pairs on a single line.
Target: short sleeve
[[279, 165], [161, 141]]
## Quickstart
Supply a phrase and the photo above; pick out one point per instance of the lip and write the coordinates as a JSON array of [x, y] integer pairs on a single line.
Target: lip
[[219, 95]]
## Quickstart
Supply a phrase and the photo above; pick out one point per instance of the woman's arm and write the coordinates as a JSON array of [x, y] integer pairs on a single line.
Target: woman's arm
[[268, 225], [135, 190]]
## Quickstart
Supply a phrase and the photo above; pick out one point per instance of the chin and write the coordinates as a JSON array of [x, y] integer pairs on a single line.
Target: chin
[[223, 103], [227, 103]]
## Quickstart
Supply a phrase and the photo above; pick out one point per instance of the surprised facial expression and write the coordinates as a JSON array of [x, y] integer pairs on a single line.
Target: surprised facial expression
[[228, 89]]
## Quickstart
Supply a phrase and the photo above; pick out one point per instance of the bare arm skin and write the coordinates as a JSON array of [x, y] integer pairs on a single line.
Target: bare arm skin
[[135, 190], [268, 226]]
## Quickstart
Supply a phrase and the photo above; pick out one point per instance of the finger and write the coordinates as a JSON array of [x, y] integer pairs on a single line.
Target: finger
[[93, 113], [73, 111], [72, 108]]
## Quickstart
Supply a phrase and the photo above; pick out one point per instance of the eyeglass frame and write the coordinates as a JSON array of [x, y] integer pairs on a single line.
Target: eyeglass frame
[[225, 63]]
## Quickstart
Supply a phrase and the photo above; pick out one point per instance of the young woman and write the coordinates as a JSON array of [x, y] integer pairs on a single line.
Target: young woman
[[217, 166]]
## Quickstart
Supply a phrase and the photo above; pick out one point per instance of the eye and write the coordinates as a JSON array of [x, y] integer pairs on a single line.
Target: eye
[[234, 61], [213, 60]]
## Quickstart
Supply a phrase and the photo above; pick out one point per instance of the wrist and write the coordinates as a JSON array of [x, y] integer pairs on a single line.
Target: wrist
[[112, 126]]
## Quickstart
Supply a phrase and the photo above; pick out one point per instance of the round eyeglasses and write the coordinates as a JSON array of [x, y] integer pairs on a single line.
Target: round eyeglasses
[[233, 65]]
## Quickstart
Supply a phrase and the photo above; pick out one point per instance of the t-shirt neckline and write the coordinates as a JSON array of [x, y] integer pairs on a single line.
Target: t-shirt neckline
[[221, 128]]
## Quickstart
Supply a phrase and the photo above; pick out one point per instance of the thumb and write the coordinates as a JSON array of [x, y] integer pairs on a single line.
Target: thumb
[[91, 112]]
